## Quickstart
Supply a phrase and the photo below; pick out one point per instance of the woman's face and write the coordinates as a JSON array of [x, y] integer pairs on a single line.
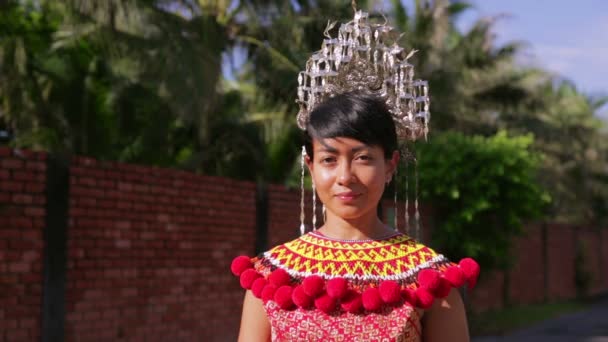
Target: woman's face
[[349, 175]]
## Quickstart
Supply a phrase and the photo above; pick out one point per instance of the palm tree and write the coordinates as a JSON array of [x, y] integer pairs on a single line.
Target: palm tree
[[573, 141], [471, 79]]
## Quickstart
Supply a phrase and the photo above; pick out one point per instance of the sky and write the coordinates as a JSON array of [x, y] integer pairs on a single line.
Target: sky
[[569, 38], [566, 37]]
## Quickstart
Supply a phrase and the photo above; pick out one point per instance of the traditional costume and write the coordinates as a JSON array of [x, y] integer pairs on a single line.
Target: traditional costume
[[324, 289]]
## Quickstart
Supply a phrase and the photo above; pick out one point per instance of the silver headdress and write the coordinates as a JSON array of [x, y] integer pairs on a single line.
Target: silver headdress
[[366, 57]]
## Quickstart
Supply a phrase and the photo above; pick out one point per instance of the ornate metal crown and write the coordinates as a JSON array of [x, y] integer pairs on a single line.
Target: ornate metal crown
[[366, 57]]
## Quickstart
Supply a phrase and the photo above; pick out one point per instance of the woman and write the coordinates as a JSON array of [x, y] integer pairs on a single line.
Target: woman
[[354, 277]]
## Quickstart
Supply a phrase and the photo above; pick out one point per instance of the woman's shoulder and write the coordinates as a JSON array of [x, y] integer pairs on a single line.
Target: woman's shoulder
[[393, 269]]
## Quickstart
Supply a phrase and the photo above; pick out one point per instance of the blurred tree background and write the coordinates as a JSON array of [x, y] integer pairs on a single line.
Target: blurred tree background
[[209, 86]]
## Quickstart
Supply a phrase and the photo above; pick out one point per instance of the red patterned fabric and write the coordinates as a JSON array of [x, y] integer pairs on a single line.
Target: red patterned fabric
[[320, 289], [390, 324]]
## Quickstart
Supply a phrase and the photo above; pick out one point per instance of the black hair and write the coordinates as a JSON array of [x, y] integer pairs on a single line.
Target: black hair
[[353, 115]]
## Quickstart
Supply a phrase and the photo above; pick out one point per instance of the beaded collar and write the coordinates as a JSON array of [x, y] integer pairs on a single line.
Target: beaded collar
[[332, 275]]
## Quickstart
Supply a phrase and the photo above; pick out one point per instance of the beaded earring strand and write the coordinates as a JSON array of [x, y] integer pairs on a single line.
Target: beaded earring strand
[[416, 211], [396, 209], [302, 213], [314, 206], [407, 195]]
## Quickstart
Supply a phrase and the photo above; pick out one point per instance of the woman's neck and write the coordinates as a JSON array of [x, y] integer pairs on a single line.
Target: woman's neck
[[361, 228]]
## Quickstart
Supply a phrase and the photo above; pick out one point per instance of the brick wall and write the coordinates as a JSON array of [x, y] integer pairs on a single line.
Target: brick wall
[[284, 214], [22, 210], [148, 251], [591, 247], [488, 294], [560, 268], [526, 282]]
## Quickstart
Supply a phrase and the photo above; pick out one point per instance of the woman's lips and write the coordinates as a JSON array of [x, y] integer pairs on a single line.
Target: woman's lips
[[347, 196]]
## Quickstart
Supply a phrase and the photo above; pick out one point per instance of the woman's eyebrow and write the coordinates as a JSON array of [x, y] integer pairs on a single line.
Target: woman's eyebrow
[[359, 148], [327, 148]]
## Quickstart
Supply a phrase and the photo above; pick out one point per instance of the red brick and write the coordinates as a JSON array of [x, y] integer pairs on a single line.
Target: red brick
[[27, 323], [87, 181], [19, 267], [30, 256], [17, 335], [7, 324], [5, 151], [35, 165], [11, 163], [35, 187], [10, 233], [11, 186], [20, 245], [27, 176], [32, 234], [22, 199], [38, 200], [35, 212]]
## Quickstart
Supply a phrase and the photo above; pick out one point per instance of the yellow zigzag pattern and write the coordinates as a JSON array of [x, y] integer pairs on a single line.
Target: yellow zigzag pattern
[[377, 258]]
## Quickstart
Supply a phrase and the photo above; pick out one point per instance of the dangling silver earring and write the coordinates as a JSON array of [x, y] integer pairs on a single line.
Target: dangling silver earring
[[407, 209], [416, 212], [395, 199], [302, 213], [314, 206]]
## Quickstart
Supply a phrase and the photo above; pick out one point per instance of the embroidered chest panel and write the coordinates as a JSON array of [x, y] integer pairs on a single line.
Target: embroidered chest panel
[[389, 324]]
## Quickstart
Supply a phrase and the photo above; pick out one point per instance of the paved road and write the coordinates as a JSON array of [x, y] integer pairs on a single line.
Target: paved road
[[586, 326]]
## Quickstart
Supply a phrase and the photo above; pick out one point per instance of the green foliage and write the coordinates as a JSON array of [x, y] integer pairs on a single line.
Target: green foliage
[[575, 145], [482, 189], [141, 81]]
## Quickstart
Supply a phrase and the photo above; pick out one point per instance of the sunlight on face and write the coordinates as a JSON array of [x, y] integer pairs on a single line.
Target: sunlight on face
[[349, 175]]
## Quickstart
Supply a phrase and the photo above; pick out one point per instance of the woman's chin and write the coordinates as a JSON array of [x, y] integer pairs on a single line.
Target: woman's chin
[[349, 212]]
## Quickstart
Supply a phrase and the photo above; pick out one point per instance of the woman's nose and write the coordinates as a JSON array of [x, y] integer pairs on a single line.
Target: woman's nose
[[345, 174]]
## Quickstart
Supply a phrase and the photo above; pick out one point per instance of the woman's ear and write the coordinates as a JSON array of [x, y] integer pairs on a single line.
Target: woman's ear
[[393, 163], [308, 162]]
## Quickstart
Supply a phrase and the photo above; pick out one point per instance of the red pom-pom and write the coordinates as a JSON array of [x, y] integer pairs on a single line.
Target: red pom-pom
[[390, 291], [424, 299], [279, 277], [337, 287], [240, 264], [454, 275], [444, 288], [313, 285], [325, 303], [258, 286], [409, 295], [283, 297], [471, 269], [268, 292], [371, 299], [248, 277], [300, 298], [429, 279], [351, 302]]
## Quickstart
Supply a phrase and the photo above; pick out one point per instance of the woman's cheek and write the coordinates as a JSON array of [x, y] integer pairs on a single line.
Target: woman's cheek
[[324, 180]]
